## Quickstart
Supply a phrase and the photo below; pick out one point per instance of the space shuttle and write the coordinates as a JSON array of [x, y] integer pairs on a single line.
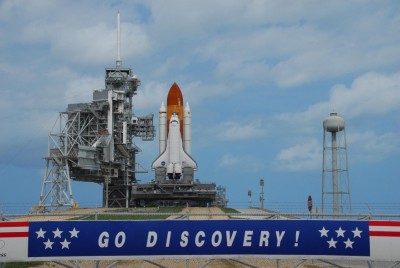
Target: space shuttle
[[174, 139]]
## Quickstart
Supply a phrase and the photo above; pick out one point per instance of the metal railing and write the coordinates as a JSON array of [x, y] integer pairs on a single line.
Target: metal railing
[[182, 215]]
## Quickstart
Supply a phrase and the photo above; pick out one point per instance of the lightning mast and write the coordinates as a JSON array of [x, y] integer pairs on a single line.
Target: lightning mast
[[118, 61]]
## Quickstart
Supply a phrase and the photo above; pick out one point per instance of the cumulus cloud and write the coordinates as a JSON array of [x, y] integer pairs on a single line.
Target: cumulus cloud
[[293, 49], [97, 44], [369, 94], [361, 147], [81, 89], [301, 157], [230, 131], [369, 146], [151, 95], [88, 37], [27, 128], [247, 162]]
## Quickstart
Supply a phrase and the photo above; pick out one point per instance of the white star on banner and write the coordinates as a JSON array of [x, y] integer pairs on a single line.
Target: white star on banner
[[340, 232], [63, 236], [74, 233], [348, 243], [324, 232], [332, 243], [57, 233], [65, 244], [48, 244], [357, 233], [40, 233], [341, 236]]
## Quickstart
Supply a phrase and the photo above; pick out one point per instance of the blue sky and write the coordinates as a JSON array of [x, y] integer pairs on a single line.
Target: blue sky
[[260, 77]]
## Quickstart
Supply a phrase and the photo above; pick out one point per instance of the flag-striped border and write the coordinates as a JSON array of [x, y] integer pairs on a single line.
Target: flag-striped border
[[384, 228], [14, 229]]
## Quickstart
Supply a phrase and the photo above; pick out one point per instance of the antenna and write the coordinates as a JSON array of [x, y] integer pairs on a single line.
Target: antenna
[[118, 62]]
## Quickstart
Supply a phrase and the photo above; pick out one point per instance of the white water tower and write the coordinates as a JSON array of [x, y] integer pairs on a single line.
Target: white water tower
[[335, 166]]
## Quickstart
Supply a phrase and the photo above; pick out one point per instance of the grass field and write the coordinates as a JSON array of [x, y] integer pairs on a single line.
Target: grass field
[[132, 216], [229, 210]]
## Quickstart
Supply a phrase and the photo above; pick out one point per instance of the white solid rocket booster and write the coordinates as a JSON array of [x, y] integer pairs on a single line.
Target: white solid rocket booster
[[187, 130], [163, 128]]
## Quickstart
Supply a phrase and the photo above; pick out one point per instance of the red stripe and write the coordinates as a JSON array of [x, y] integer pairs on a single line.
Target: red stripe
[[14, 234], [14, 224], [384, 233], [384, 223]]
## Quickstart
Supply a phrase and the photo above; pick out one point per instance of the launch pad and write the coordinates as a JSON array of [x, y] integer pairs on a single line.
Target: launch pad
[[171, 193], [94, 142]]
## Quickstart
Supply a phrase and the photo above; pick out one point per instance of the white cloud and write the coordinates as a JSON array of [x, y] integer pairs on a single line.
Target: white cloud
[[230, 131], [301, 157], [97, 44], [229, 160], [369, 94], [293, 49], [198, 92], [151, 95], [247, 162], [81, 89], [10, 9], [371, 147], [361, 148], [26, 128], [88, 37], [176, 63]]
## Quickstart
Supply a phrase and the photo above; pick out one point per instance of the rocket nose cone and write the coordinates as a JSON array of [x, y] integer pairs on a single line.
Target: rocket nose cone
[[187, 107], [174, 95], [174, 87], [162, 107]]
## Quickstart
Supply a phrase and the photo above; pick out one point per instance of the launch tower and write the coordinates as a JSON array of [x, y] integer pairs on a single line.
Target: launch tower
[[93, 142]]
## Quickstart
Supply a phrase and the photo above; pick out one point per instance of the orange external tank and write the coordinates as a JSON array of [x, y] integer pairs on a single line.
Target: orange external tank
[[175, 105]]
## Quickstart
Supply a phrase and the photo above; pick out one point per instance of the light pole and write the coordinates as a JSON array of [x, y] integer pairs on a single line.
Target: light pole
[[249, 194], [262, 193]]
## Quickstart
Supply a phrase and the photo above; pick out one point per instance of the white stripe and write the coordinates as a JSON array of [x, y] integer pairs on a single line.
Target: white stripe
[[385, 228], [14, 229]]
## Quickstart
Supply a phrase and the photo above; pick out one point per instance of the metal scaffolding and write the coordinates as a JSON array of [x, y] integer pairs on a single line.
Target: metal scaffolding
[[93, 142]]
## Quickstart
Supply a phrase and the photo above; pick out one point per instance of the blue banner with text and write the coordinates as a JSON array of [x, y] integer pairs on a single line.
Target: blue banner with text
[[198, 237]]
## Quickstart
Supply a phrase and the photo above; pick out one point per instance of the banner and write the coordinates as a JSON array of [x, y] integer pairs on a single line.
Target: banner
[[303, 239]]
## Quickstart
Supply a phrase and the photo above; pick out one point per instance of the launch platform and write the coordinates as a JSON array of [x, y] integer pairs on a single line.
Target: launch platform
[[170, 193]]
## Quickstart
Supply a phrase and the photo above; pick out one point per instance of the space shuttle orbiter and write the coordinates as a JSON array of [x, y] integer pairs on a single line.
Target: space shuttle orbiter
[[175, 138]]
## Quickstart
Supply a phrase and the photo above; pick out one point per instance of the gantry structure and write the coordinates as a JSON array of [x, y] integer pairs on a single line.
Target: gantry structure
[[93, 142]]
